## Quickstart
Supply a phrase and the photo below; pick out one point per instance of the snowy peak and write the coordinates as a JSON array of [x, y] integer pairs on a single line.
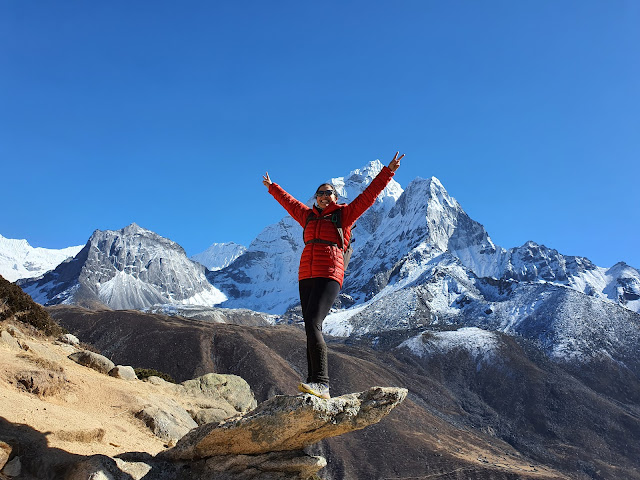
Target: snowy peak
[[532, 262], [265, 277], [219, 255], [20, 260]]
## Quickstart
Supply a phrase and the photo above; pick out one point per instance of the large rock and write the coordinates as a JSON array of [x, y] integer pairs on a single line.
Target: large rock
[[232, 388], [93, 360], [288, 423], [166, 418], [124, 372]]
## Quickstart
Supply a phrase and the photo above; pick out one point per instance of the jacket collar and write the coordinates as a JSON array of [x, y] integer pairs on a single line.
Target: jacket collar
[[330, 209]]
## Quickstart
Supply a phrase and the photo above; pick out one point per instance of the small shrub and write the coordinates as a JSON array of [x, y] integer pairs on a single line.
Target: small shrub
[[89, 347], [42, 362], [143, 373]]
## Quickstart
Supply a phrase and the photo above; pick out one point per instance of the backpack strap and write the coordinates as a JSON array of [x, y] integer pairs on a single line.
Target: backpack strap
[[336, 219]]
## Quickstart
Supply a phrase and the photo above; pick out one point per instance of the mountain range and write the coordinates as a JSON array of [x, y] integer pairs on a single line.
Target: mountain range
[[419, 260], [129, 268], [19, 260], [525, 345]]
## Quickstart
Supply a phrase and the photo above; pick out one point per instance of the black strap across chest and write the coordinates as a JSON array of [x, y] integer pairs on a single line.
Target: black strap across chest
[[336, 219]]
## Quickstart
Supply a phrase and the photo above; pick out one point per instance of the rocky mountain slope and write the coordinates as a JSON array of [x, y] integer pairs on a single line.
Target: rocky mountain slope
[[18, 259], [481, 403], [128, 268]]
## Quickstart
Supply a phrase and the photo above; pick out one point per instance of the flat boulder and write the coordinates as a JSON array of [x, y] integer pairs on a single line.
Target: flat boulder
[[285, 423], [93, 360]]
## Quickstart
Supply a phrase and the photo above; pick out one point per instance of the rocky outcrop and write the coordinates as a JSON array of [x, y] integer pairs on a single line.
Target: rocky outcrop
[[286, 423], [265, 444], [93, 360]]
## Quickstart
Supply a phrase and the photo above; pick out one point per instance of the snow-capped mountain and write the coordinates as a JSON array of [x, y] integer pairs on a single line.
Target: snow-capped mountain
[[219, 255], [419, 262], [402, 239], [18, 259], [132, 268]]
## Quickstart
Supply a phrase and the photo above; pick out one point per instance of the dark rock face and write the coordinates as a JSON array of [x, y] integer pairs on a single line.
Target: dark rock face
[[513, 414]]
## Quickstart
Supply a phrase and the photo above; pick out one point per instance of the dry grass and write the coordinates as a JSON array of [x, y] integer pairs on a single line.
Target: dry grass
[[41, 362], [47, 381], [42, 383], [84, 436]]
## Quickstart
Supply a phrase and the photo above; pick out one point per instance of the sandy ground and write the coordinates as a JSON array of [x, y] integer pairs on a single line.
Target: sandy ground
[[86, 412]]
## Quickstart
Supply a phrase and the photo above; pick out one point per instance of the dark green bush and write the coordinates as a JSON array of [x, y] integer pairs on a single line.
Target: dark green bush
[[14, 302], [143, 373]]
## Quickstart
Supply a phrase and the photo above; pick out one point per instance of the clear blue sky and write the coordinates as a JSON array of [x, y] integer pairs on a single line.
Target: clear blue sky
[[167, 113]]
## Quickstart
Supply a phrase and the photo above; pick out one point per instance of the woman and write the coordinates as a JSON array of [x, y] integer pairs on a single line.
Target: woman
[[321, 270]]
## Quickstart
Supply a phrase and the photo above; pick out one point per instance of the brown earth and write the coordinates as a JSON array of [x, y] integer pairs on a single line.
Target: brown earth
[[425, 437]]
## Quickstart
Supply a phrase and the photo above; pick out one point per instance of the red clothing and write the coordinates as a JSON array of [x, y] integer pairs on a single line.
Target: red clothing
[[320, 260]]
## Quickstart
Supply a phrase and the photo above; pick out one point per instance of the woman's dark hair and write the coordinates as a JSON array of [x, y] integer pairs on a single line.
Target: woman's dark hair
[[335, 192]]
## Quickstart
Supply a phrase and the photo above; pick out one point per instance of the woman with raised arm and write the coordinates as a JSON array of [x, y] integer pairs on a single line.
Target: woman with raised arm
[[321, 270]]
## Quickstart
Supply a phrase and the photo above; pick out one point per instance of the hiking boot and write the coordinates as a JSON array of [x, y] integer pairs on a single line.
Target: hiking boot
[[318, 389]]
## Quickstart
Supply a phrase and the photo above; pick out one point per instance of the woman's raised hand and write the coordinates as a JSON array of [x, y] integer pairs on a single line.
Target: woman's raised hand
[[395, 163], [266, 181]]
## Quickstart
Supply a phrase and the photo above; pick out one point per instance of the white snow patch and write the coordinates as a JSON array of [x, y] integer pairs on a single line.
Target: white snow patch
[[481, 344]]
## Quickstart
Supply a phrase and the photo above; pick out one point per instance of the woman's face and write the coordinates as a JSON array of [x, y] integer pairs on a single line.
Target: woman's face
[[322, 199]]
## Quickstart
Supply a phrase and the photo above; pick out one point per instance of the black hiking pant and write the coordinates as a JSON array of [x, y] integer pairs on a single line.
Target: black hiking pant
[[316, 298]]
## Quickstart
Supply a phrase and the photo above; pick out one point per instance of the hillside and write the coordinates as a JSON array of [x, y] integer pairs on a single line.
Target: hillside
[[498, 409]]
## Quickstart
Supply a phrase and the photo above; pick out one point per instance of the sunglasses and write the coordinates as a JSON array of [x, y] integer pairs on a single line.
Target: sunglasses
[[325, 193]]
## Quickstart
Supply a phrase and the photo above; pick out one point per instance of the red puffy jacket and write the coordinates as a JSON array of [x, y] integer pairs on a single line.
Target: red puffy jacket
[[319, 259]]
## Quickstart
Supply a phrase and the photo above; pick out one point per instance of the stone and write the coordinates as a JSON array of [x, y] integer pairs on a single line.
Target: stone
[[13, 468], [96, 467], [5, 452], [232, 388], [123, 372], [156, 381], [276, 465], [167, 419], [212, 415], [8, 340], [93, 360], [137, 470], [285, 423], [70, 339]]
